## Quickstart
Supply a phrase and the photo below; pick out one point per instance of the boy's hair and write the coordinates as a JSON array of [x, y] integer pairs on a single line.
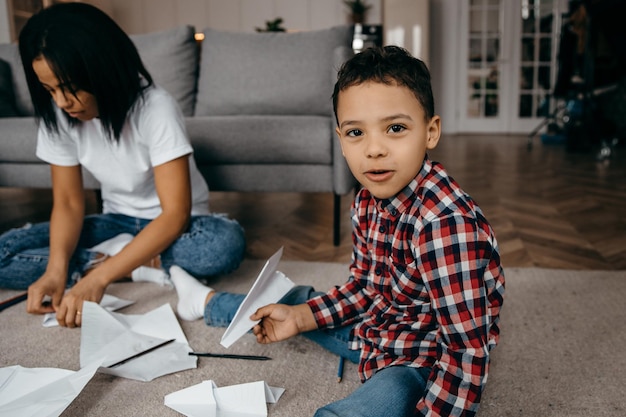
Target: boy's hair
[[87, 51], [387, 65]]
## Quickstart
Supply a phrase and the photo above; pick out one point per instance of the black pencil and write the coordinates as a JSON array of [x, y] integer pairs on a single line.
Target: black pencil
[[130, 358], [230, 356], [13, 300]]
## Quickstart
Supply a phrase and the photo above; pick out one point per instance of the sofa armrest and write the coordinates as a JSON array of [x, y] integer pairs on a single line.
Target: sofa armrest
[[343, 180]]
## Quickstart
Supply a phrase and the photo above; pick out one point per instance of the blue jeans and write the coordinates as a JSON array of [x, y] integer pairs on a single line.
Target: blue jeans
[[391, 392], [212, 245]]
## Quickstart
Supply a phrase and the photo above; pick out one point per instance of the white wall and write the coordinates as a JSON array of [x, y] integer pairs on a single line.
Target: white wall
[[5, 31], [406, 23], [140, 16]]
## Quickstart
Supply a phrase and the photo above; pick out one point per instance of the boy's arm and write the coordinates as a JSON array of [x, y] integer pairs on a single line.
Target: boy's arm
[[345, 304], [461, 270]]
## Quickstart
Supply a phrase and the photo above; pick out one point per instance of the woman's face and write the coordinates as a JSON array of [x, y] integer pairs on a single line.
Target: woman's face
[[80, 105]]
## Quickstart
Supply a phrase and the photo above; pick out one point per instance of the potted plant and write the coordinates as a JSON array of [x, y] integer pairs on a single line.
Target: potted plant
[[358, 9], [272, 26]]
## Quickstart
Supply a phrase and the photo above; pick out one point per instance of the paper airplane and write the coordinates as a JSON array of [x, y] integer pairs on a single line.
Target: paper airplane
[[113, 337], [207, 400], [269, 287], [40, 392]]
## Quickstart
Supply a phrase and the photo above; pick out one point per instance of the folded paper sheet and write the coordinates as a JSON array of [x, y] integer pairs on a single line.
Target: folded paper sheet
[[40, 392], [109, 302], [207, 400], [269, 287], [112, 337]]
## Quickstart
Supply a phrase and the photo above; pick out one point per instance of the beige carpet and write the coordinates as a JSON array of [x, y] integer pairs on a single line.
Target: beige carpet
[[561, 351]]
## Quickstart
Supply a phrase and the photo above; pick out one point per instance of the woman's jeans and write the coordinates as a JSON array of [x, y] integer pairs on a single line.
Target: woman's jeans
[[212, 245], [391, 392]]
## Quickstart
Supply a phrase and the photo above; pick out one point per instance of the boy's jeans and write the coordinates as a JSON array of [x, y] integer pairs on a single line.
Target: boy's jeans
[[391, 392], [211, 245]]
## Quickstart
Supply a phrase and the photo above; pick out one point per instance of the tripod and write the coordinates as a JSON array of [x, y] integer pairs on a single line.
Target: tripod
[[557, 117]]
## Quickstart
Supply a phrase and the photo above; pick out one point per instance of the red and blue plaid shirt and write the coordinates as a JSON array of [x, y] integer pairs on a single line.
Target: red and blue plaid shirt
[[425, 289]]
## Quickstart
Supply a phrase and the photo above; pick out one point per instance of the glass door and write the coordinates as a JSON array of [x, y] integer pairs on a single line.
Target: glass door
[[508, 62], [485, 74], [539, 25]]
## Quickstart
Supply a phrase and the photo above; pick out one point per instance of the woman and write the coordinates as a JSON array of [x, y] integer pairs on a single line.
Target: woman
[[99, 109]]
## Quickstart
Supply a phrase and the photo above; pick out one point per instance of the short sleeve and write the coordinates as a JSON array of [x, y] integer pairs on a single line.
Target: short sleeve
[[57, 148]]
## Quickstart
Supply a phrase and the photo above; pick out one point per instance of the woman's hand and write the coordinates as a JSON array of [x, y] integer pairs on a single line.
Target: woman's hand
[[69, 312], [280, 322], [49, 284]]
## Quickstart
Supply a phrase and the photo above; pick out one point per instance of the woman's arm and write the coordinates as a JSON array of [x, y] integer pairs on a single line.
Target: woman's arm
[[66, 222], [174, 190]]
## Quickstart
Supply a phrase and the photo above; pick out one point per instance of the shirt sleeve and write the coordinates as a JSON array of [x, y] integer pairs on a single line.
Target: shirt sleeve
[[56, 148], [162, 127], [347, 303], [458, 259]]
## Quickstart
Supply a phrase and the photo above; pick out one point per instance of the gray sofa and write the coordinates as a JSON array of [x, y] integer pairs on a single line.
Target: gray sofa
[[258, 109]]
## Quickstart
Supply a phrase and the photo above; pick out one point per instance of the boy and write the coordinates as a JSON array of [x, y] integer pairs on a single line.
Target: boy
[[421, 307]]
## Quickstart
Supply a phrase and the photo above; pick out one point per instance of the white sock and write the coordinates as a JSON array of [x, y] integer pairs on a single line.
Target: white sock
[[114, 245], [148, 274], [191, 294]]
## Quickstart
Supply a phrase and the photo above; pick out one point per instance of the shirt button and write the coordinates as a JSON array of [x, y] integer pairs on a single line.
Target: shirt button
[[382, 229], [378, 271]]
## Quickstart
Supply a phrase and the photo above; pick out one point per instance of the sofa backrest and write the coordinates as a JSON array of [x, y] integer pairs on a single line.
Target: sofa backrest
[[268, 73], [16, 81], [171, 57]]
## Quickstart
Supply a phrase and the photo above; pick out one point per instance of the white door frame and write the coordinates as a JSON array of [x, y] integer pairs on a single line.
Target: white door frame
[[449, 44], [500, 122]]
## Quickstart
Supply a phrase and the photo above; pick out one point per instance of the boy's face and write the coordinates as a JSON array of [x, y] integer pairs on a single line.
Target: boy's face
[[384, 135]]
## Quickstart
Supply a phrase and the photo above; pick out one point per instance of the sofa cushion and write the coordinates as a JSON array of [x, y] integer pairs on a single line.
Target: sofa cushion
[[171, 57], [7, 97], [297, 72], [23, 105], [22, 135], [261, 139]]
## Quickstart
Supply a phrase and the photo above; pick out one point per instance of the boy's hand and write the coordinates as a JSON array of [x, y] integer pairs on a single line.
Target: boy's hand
[[280, 322]]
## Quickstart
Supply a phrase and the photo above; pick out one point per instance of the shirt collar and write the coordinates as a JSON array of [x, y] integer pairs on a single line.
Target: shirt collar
[[407, 197]]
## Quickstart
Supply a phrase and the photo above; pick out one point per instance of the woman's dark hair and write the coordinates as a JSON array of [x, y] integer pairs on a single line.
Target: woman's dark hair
[[387, 65], [87, 51]]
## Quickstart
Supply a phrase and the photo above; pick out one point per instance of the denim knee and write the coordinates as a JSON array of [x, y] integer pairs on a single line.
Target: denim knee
[[221, 308], [299, 294], [392, 392], [213, 245]]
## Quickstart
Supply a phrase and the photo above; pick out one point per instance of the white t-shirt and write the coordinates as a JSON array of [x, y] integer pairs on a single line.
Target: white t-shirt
[[153, 134]]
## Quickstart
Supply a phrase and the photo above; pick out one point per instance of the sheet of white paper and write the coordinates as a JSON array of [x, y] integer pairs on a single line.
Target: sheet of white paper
[[112, 337], [40, 392], [207, 400], [197, 400], [269, 287], [109, 302]]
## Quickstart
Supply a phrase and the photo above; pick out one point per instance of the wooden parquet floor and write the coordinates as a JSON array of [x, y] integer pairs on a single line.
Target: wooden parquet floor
[[549, 208]]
